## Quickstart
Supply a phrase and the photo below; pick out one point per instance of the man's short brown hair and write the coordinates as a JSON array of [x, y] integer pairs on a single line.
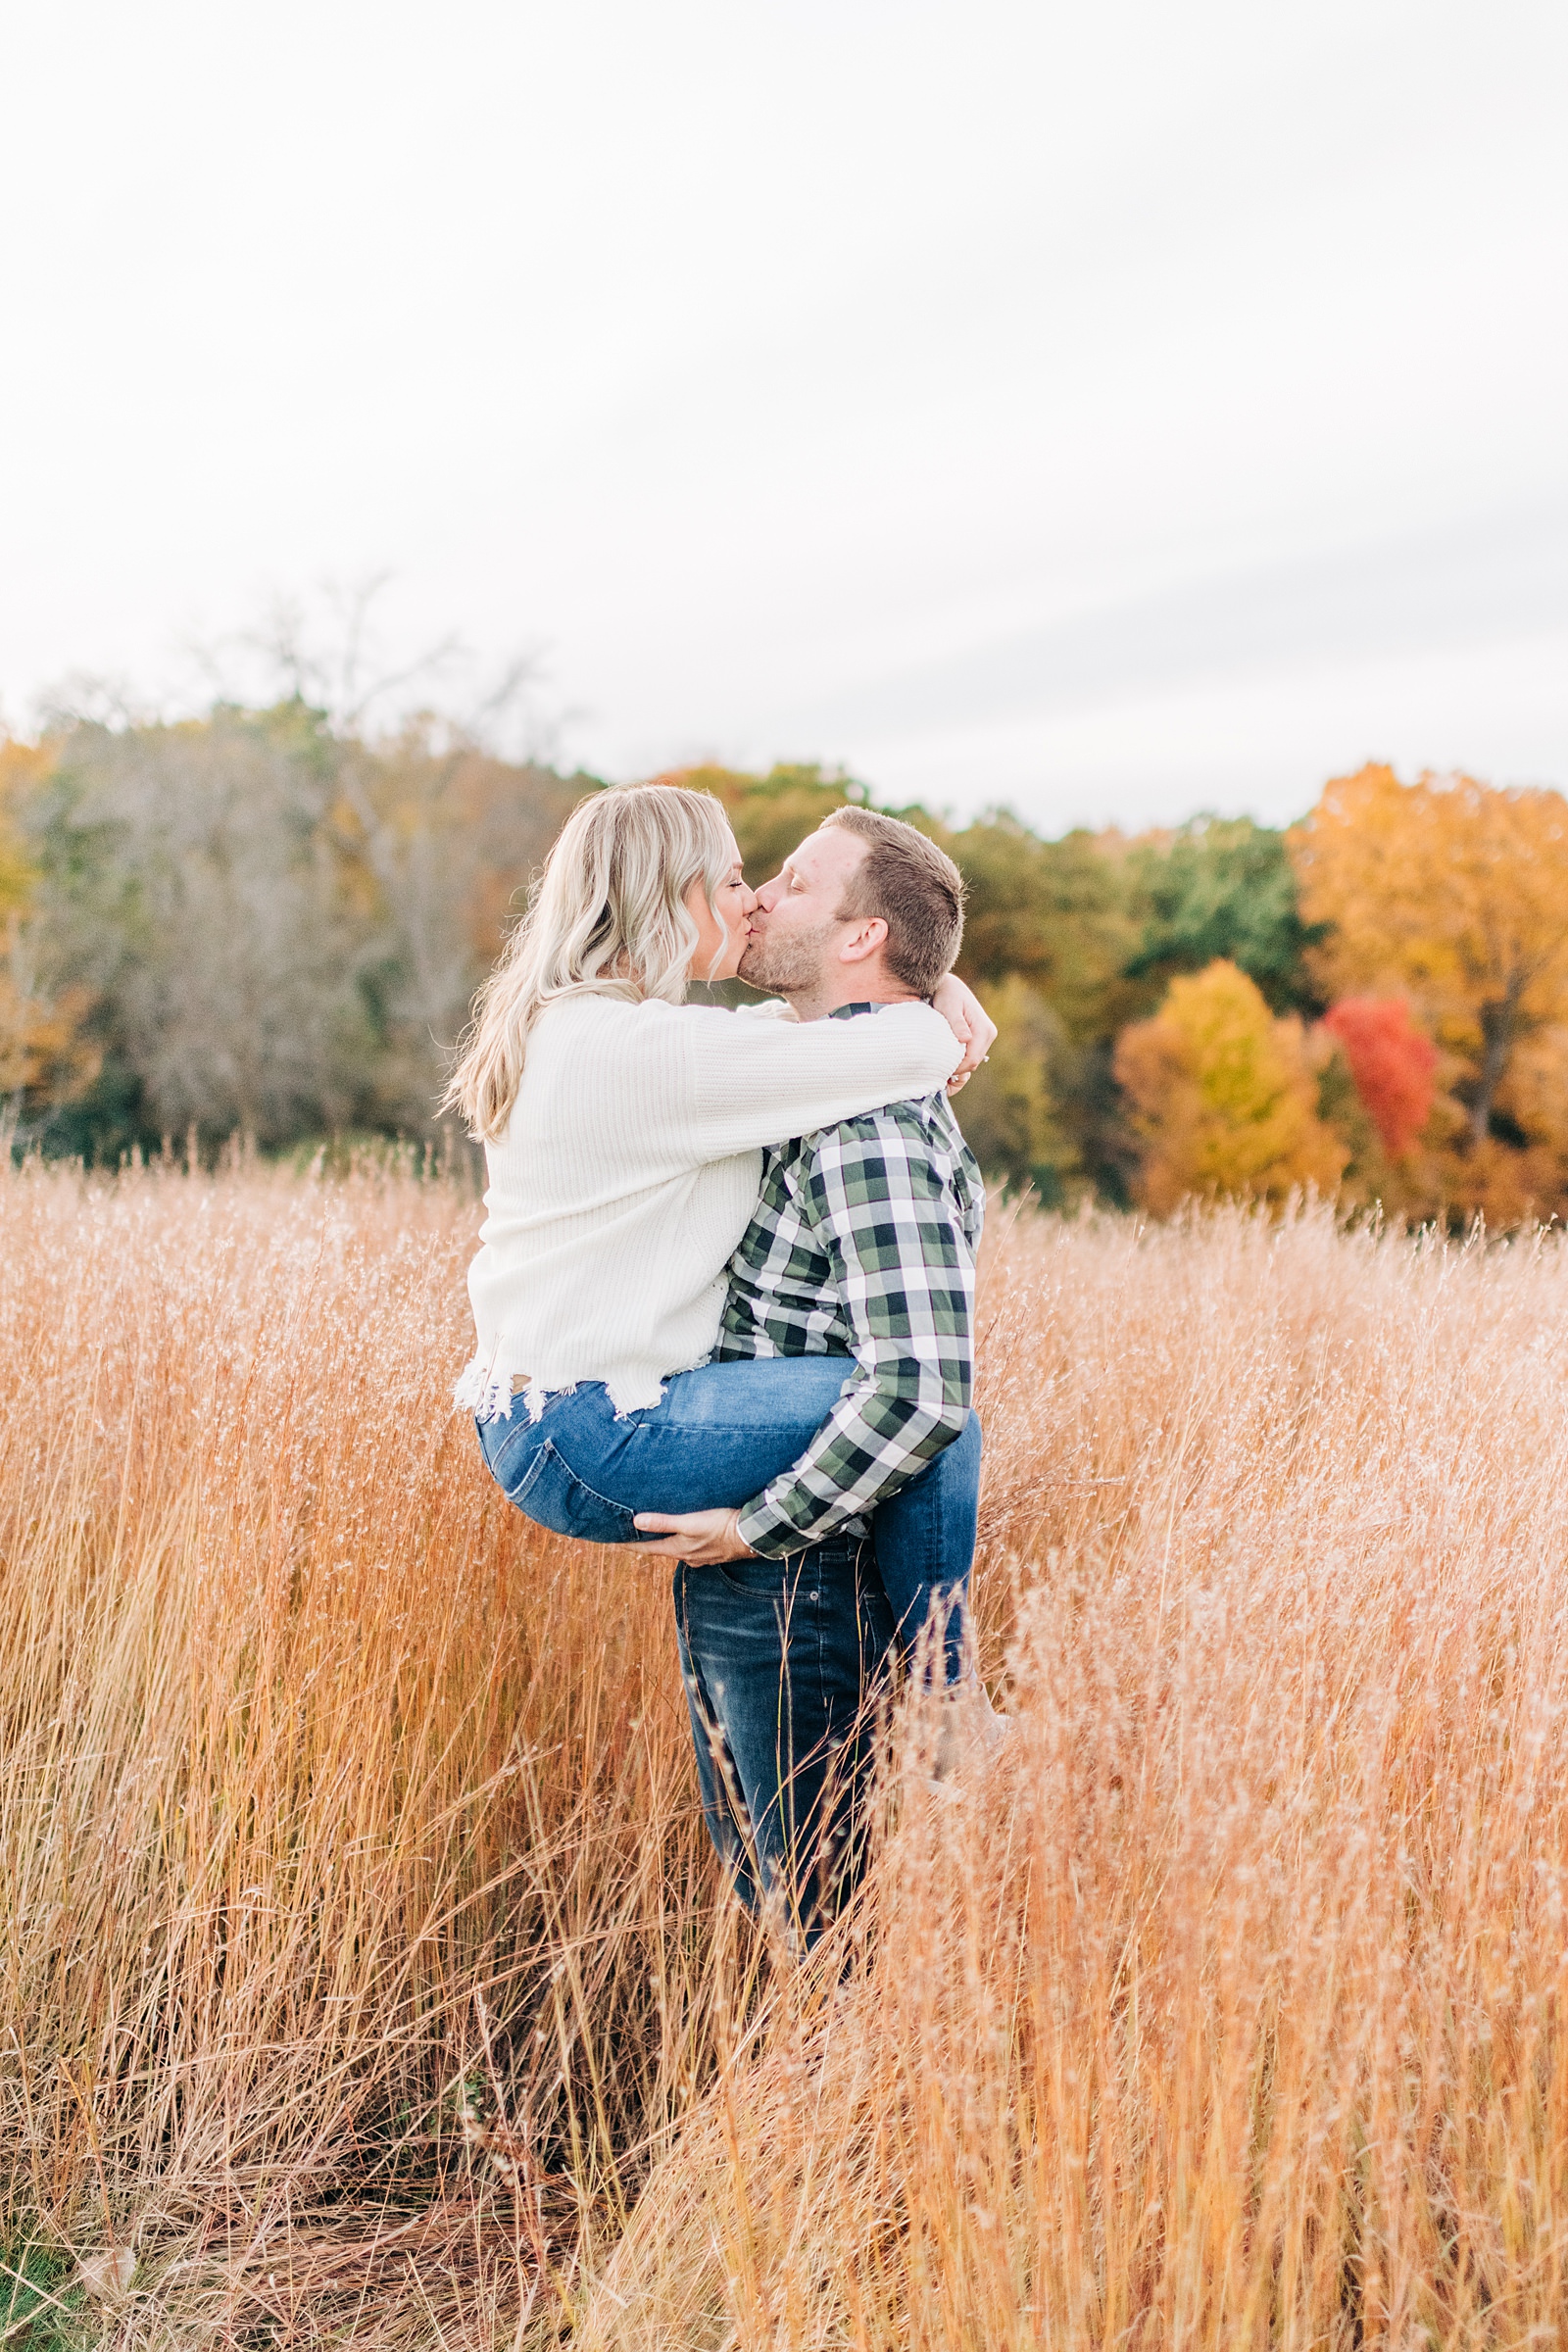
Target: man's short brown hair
[[913, 887]]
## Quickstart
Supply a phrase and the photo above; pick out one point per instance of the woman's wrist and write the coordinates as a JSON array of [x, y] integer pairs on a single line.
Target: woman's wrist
[[969, 1021]]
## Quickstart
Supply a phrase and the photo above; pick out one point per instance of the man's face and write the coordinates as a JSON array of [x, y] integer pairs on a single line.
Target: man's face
[[796, 923]]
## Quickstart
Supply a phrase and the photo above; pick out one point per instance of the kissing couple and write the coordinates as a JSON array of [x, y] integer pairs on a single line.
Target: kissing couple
[[724, 1293]]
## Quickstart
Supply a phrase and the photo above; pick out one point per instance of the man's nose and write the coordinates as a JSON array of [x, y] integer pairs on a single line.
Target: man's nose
[[767, 897]]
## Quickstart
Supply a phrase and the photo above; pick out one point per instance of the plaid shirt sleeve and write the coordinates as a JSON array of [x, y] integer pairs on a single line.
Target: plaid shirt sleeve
[[902, 1258]]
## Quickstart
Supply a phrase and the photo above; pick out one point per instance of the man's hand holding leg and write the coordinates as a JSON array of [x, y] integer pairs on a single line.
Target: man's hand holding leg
[[702, 1538]]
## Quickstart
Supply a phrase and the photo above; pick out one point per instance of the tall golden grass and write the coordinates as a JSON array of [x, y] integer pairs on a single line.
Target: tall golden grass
[[364, 1973]]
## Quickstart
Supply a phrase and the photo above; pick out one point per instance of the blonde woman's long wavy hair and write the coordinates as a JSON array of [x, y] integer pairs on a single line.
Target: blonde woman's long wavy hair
[[607, 917]]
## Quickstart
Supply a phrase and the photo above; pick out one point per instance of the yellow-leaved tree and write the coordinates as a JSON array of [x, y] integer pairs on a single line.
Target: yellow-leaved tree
[[1455, 894], [21, 766], [1224, 1099], [42, 1053]]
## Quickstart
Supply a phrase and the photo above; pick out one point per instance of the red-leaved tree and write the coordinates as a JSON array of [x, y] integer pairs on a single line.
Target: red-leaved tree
[[1393, 1063]]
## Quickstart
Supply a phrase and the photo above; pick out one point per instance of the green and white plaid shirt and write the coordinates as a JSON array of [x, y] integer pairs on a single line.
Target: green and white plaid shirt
[[863, 1243]]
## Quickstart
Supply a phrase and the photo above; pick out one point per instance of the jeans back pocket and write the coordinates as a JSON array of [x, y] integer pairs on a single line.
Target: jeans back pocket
[[536, 1479]]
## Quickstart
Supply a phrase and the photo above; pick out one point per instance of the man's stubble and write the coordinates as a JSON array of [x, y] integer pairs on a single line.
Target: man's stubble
[[790, 964]]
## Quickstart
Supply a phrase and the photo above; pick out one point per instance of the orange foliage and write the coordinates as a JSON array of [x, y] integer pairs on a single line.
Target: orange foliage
[[1393, 1062], [41, 1049], [42, 1052], [1453, 893], [1223, 1097]]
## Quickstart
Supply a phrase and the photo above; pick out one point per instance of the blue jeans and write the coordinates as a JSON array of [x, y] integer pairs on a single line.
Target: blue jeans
[[783, 1663], [719, 1436]]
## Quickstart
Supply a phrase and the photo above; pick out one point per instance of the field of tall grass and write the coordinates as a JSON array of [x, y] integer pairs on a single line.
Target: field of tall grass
[[365, 1974]]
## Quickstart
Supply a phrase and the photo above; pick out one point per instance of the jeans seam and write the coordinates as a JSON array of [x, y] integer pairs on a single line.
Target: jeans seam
[[605, 1500], [514, 1494], [816, 1608]]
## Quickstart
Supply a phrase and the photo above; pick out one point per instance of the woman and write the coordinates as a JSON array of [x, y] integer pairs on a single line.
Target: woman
[[624, 1132]]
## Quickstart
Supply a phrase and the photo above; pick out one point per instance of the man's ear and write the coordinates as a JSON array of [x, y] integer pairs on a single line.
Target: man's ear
[[865, 940]]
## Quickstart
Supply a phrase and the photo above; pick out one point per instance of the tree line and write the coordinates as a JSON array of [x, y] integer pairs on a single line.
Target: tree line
[[263, 923]]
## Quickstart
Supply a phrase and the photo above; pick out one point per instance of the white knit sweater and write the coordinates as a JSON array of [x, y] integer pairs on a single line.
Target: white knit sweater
[[629, 1171]]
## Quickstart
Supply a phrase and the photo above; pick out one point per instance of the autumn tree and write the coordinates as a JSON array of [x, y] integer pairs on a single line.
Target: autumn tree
[[21, 766], [1391, 1063], [45, 1055], [1454, 894], [1223, 1097], [1534, 1099]]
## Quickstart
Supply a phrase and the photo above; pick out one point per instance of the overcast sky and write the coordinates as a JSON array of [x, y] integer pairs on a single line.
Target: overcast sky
[[1114, 410]]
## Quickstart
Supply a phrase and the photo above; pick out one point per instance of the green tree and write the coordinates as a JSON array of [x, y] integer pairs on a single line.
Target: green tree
[[1009, 1110], [1223, 889], [1060, 915], [1059, 912]]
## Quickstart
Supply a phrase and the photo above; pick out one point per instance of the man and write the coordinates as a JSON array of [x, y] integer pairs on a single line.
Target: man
[[863, 1244]]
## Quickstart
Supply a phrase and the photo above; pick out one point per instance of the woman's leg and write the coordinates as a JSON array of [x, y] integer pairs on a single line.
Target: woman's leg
[[719, 1436], [924, 1538]]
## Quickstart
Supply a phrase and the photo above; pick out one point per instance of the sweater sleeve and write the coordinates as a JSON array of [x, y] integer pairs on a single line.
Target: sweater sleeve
[[751, 1083]]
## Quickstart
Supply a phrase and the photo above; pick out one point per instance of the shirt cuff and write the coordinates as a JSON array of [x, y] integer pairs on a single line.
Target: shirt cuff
[[775, 1536], [767, 1532]]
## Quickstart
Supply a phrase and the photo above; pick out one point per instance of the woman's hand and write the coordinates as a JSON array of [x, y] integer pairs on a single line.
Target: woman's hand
[[702, 1538], [970, 1024]]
